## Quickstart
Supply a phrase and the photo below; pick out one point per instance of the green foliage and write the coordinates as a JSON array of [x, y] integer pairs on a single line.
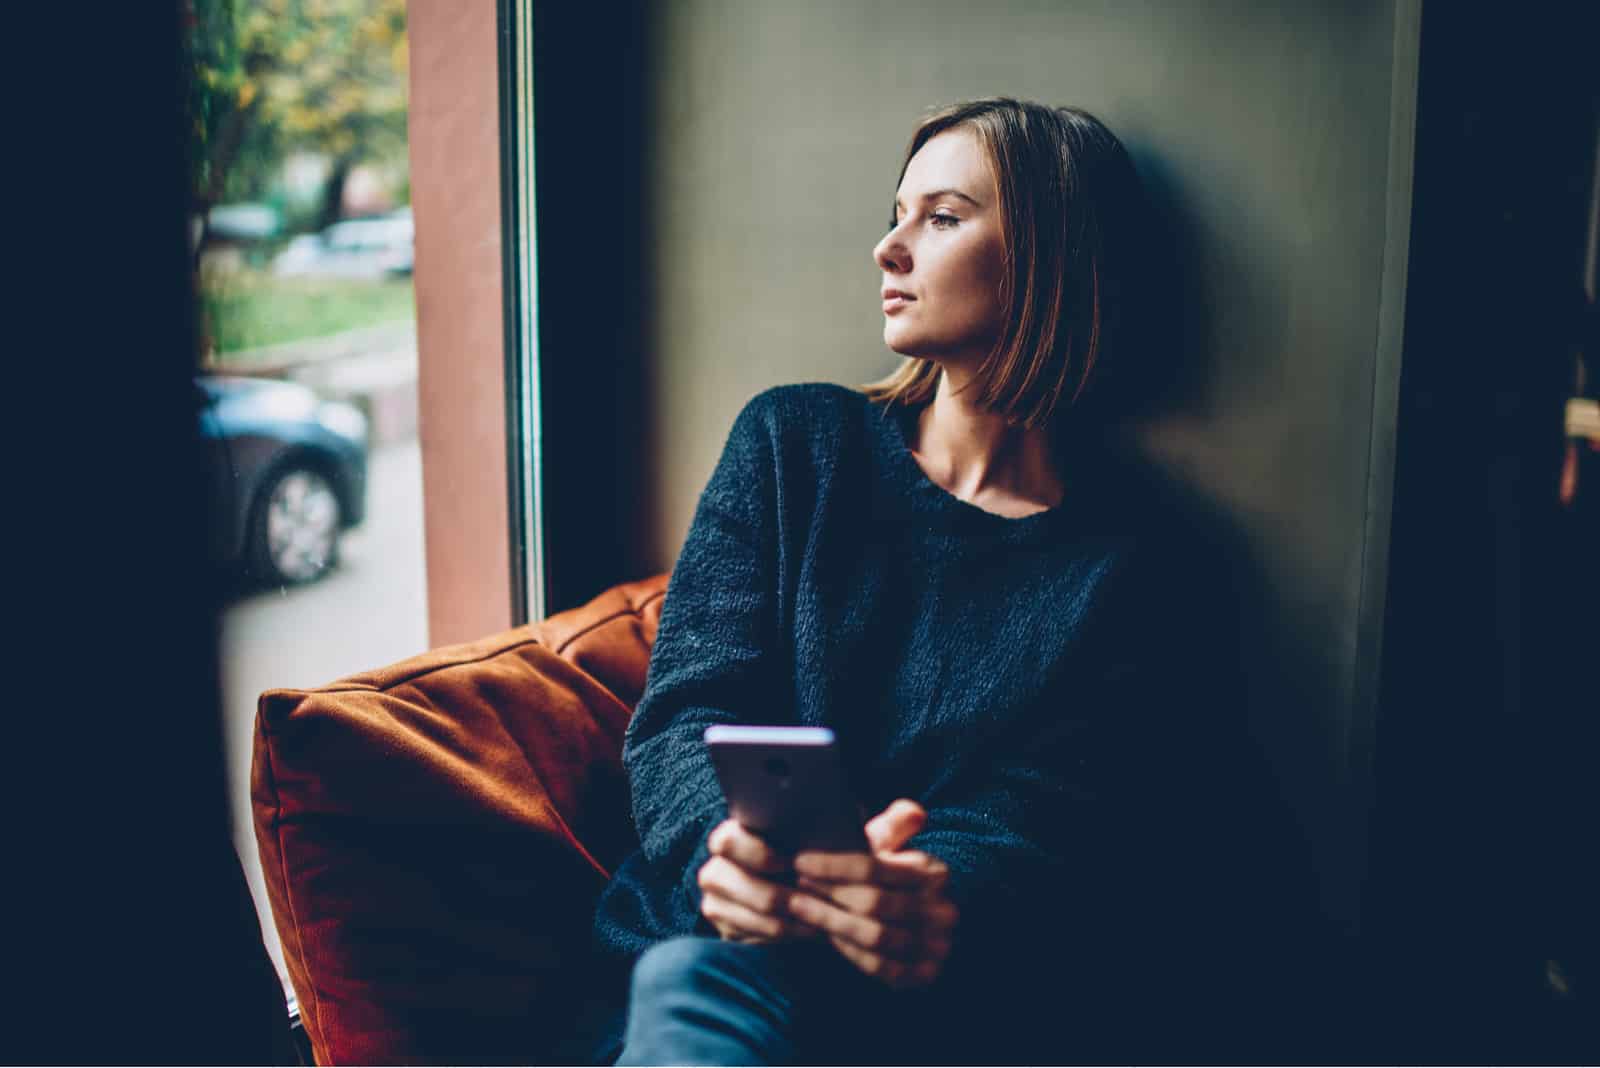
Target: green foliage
[[247, 309], [273, 77]]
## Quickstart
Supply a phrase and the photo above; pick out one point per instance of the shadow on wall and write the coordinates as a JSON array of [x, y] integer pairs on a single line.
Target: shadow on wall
[[1176, 362], [1211, 292], [1219, 886], [1212, 295]]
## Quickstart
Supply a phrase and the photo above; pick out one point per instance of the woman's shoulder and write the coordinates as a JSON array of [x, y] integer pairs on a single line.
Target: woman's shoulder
[[807, 403], [811, 417]]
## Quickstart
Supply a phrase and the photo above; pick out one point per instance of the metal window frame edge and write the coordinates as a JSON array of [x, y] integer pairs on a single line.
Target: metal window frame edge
[[519, 268], [1362, 728]]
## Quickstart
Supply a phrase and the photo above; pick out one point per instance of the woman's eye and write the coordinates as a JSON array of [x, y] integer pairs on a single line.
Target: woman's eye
[[939, 220]]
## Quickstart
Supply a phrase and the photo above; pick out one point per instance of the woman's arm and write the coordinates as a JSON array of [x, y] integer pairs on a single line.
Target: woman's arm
[[988, 850], [992, 859], [1033, 820], [715, 659]]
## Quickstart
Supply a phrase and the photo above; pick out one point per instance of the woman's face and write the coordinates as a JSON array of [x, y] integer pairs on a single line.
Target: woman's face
[[945, 255]]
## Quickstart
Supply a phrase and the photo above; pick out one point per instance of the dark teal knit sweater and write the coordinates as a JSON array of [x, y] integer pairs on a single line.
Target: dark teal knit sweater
[[1014, 676]]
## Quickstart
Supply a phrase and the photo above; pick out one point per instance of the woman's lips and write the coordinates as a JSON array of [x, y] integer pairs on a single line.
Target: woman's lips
[[894, 300]]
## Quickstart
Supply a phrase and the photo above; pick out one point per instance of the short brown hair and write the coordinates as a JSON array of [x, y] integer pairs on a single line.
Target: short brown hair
[[1069, 202]]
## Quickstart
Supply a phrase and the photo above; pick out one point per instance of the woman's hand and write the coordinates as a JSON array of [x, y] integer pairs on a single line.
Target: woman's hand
[[738, 896], [886, 911]]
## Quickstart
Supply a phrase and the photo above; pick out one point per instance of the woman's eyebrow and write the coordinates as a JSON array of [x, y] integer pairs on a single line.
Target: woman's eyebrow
[[936, 193]]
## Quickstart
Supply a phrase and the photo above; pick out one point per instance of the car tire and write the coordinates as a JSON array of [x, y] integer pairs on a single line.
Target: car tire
[[294, 529]]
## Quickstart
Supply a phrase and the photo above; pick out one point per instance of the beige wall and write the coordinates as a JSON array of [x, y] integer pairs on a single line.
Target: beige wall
[[1282, 132], [455, 185]]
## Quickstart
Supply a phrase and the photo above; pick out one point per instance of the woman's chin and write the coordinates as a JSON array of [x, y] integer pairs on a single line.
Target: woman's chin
[[903, 344], [900, 340]]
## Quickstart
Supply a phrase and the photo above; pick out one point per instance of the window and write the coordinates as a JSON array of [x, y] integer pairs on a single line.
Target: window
[[308, 383]]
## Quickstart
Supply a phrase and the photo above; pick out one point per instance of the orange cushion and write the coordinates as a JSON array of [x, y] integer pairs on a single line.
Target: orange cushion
[[434, 834]]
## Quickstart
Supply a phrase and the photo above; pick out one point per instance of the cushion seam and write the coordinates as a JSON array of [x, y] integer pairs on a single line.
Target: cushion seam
[[558, 650], [555, 809], [289, 896], [631, 610], [336, 688]]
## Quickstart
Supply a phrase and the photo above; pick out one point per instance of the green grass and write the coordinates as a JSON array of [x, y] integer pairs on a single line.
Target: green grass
[[247, 309]]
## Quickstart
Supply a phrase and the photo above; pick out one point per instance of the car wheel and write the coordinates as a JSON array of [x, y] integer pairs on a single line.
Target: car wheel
[[295, 536]]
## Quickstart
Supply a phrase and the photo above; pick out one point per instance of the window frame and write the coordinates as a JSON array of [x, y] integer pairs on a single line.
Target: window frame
[[520, 272]]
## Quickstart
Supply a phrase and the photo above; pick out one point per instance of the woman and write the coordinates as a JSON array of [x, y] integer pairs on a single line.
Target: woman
[[933, 567]]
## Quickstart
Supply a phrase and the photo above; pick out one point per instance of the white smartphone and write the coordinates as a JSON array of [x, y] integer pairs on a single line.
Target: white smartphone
[[787, 784]]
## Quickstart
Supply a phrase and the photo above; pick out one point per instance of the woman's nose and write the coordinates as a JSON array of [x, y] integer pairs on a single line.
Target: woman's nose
[[891, 253]]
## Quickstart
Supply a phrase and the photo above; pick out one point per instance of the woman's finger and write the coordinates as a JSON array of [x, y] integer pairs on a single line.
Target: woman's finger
[[868, 962], [939, 916], [893, 973], [864, 899], [935, 873], [929, 913], [916, 860], [909, 870], [730, 839], [736, 922], [719, 875], [865, 932]]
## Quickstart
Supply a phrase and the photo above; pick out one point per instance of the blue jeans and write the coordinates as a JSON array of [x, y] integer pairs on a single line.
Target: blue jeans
[[696, 1000]]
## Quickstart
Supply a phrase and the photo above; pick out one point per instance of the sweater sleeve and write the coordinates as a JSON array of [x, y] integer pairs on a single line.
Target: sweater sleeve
[[713, 659], [1026, 825], [1100, 825]]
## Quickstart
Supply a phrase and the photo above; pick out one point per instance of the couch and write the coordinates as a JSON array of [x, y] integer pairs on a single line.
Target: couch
[[434, 835]]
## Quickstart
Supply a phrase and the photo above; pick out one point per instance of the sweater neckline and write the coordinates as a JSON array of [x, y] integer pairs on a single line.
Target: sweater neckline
[[928, 497]]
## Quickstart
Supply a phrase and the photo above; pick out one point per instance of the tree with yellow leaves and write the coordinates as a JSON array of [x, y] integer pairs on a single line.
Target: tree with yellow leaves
[[272, 77]]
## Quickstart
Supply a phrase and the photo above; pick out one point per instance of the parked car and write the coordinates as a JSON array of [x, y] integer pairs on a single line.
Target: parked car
[[288, 474], [378, 247], [244, 222]]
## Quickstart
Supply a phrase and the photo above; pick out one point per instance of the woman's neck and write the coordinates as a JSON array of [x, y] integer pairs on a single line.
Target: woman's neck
[[980, 458]]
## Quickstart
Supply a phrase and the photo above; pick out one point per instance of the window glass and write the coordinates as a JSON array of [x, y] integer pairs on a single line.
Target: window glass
[[307, 383]]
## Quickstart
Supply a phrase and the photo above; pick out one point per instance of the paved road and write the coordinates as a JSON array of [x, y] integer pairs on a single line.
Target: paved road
[[370, 611]]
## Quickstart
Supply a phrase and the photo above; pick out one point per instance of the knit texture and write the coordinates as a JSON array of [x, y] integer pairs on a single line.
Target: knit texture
[[1016, 677]]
